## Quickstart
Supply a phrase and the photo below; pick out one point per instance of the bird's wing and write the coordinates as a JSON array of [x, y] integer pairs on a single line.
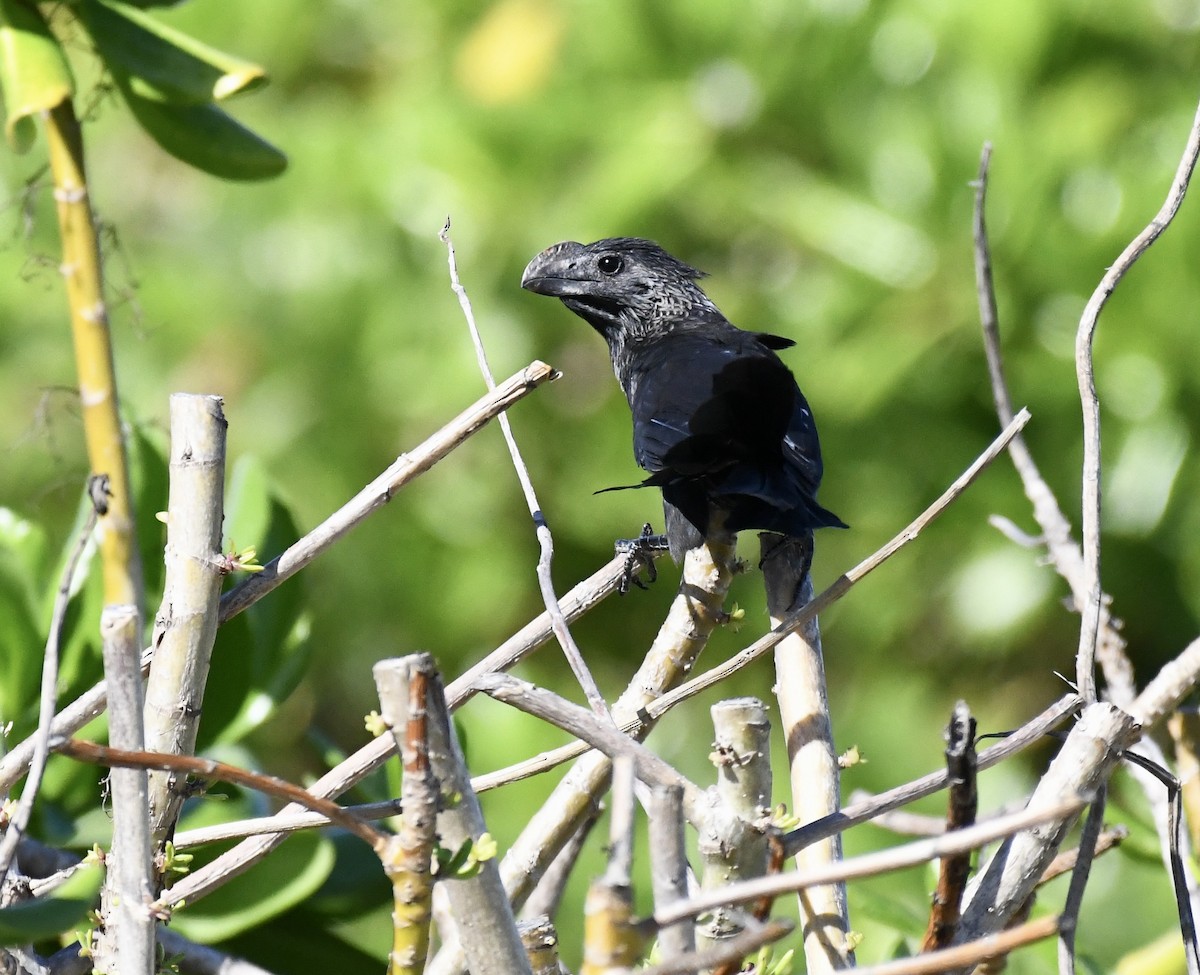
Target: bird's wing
[[709, 404]]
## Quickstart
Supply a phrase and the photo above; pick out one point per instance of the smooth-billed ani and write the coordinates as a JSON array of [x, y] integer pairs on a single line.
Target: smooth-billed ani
[[718, 420]]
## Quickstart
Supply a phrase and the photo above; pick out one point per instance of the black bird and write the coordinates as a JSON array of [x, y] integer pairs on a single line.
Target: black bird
[[718, 420]]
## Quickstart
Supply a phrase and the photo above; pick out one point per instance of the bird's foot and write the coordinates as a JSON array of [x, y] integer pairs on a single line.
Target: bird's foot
[[639, 554]]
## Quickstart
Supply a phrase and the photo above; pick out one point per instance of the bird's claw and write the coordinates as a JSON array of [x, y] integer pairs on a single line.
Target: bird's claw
[[639, 554]]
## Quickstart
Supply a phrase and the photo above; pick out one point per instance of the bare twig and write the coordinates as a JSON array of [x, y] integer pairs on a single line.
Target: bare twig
[[207, 768], [41, 738], [545, 539], [380, 491], [1084, 340], [966, 956], [1062, 548], [291, 823], [871, 864], [1084, 855], [598, 732]]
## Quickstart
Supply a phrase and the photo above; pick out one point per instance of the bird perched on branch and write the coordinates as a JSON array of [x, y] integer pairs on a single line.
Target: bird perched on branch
[[718, 420]]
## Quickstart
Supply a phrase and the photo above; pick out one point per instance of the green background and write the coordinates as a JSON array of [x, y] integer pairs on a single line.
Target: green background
[[815, 158]]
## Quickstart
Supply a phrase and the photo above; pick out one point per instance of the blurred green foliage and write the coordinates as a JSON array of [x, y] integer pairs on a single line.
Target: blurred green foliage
[[816, 158]]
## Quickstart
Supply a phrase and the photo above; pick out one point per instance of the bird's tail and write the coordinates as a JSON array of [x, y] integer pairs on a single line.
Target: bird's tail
[[785, 562]]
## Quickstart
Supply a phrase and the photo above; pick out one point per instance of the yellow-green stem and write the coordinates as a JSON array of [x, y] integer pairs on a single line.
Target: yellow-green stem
[[93, 356]]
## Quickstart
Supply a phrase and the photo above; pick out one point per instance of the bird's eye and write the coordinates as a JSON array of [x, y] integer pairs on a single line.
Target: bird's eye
[[609, 264]]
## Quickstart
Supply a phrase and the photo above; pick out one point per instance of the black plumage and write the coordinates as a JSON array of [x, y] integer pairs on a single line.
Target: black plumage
[[718, 420]]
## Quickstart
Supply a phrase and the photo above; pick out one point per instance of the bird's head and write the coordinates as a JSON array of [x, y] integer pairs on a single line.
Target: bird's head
[[620, 285]]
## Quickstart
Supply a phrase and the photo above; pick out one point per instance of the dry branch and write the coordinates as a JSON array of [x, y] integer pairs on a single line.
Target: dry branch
[[864, 811], [126, 940], [669, 867], [1080, 769], [1084, 340], [961, 805], [541, 526], [872, 864], [733, 842], [813, 770], [186, 626]]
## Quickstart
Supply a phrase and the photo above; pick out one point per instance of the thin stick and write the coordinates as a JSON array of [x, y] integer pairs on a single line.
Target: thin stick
[[965, 957], [1085, 373], [596, 730], [861, 812], [379, 492], [1064, 552], [870, 864], [207, 768], [1084, 855], [545, 539], [41, 738]]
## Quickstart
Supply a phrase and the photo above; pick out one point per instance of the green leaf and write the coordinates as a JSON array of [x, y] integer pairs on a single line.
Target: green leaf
[[287, 877], [48, 916], [162, 63], [203, 136], [33, 71]]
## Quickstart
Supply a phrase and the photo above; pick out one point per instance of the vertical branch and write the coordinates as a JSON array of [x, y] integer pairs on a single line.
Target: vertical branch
[[733, 843], [1085, 374], [812, 759], [486, 927], [540, 939], [187, 620], [82, 276], [127, 943], [611, 939], [961, 808], [668, 867], [409, 865]]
